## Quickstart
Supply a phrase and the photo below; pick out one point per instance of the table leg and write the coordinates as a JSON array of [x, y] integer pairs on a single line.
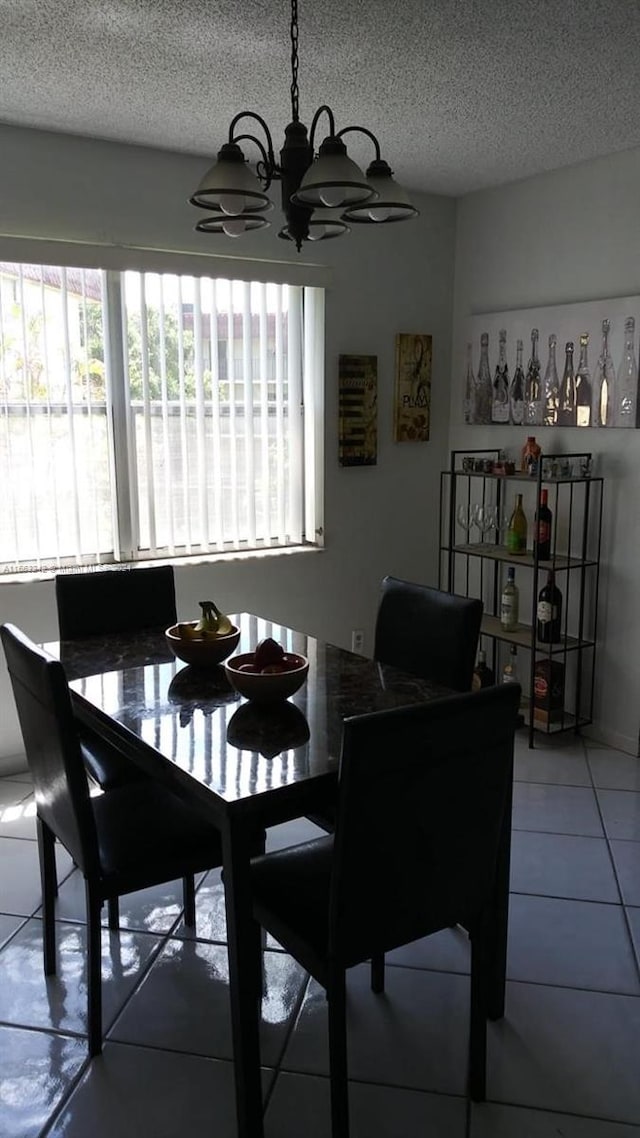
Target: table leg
[[237, 849], [499, 917]]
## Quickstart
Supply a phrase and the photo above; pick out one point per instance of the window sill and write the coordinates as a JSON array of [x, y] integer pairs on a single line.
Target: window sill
[[38, 575]]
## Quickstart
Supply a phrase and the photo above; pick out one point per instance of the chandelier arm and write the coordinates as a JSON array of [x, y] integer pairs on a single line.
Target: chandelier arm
[[332, 125], [258, 118], [362, 130], [267, 169]]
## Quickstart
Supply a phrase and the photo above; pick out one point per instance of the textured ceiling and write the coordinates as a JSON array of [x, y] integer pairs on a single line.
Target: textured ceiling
[[462, 94]]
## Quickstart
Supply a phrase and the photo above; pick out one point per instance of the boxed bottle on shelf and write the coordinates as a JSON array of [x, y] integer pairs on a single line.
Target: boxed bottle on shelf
[[548, 691]]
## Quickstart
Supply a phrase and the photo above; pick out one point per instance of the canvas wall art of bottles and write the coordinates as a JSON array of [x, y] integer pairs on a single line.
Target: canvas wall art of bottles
[[569, 365]]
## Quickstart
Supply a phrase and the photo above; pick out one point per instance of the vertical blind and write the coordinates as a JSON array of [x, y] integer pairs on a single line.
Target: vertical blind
[[150, 415]]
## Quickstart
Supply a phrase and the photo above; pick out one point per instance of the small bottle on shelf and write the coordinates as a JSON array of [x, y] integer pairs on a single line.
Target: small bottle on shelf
[[531, 452], [510, 602], [517, 532], [542, 529], [549, 613], [483, 676], [510, 671]]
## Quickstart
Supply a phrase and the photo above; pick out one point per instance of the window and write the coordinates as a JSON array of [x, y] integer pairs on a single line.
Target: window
[[147, 415]]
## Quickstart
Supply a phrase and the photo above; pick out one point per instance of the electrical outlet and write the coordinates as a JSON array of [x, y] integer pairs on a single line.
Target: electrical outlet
[[357, 640]]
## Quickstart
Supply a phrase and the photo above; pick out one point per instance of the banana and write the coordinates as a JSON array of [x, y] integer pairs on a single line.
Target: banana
[[208, 621], [212, 622]]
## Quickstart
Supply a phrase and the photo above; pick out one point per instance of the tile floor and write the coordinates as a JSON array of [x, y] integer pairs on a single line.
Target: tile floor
[[564, 1061]]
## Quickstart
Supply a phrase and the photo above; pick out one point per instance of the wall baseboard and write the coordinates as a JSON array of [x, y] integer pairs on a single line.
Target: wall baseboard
[[610, 738], [13, 764]]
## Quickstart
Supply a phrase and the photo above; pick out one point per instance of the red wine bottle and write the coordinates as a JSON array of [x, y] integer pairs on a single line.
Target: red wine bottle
[[542, 529], [549, 622]]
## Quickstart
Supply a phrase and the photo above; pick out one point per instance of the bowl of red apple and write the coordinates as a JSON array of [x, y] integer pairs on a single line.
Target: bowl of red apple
[[268, 674]]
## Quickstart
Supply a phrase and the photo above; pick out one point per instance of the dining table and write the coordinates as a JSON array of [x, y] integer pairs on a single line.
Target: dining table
[[245, 767]]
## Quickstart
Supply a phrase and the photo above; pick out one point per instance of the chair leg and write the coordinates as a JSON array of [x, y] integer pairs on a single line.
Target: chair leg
[[337, 1007], [377, 973], [113, 907], [94, 969], [478, 1014], [189, 901], [47, 857]]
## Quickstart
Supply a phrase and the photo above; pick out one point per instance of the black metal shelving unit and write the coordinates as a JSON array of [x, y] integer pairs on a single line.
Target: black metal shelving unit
[[478, 568]]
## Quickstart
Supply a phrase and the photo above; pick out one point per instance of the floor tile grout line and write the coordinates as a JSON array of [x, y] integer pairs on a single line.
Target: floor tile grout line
[[635, 949], [268, 1095]]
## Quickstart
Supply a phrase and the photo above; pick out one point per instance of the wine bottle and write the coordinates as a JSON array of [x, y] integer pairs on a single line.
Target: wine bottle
[[627, 396], [551, 388], [469, 390], [500, 404], [567, 410], [549, 612], [532, 385], [517, 532], [510, 602], [604, 383], [510, 672], [516, 391], [542, 529], [483, 676], [583, 385], [484, 388]]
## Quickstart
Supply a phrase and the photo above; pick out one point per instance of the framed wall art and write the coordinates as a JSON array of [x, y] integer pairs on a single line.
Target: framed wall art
[[412, 407], [563, 365], [357, 410]]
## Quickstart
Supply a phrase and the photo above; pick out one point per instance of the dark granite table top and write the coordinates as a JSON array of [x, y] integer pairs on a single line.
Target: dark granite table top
[[195, 721]]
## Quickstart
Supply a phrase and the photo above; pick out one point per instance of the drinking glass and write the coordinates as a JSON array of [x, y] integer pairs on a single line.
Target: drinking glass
[[487, 519], [502, 524], [464, 518]]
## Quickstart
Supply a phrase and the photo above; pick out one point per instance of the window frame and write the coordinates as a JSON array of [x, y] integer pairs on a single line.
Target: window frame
[[121, 441]]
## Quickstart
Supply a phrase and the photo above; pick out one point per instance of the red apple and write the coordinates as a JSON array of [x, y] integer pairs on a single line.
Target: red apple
[[267, 652]]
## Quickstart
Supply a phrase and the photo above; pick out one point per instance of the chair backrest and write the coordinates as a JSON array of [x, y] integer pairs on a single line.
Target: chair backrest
[[428, 632], [51, 743], [115, 600], [421, 806]]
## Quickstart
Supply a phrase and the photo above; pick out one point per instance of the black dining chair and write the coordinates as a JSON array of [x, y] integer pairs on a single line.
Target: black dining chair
[[106, 602], [439, 775], [428, 632], [122, 840]]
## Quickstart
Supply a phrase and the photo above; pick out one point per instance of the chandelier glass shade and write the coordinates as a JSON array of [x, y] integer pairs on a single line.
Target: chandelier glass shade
[[321, 193]]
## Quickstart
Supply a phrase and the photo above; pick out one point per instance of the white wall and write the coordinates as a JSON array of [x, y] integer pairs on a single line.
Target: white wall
[[397, 278], [570, 235]]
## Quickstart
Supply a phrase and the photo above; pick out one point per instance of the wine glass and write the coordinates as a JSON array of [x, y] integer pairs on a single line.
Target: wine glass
[[477, 518], [487, 519], [464, 519], [502, 524]]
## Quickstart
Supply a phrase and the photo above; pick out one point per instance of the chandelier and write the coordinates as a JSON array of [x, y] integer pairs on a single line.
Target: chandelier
[[321, 193]]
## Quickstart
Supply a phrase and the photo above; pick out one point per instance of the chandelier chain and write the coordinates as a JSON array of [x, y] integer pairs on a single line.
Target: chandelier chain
[[294, 61]]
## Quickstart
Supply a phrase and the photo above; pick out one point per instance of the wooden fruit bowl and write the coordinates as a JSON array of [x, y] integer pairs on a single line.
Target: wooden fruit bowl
[[205, 652], [266, 687]]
